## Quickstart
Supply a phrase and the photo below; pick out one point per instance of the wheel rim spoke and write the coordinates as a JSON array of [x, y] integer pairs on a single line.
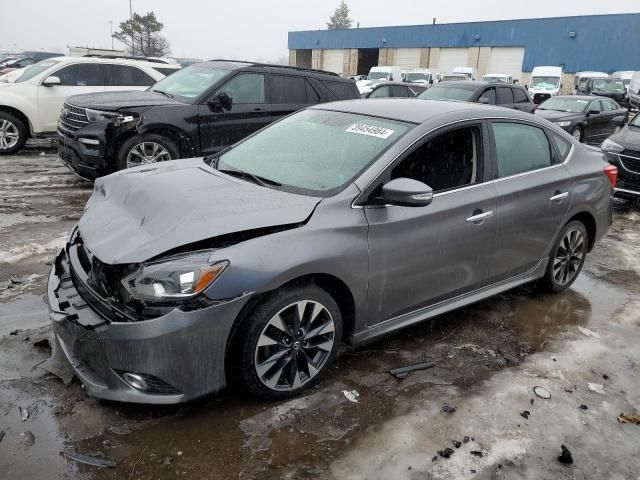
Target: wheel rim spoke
[[569, 256]]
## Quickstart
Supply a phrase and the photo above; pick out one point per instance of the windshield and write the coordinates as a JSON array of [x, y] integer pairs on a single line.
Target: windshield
[[449, 92], [35, 69], [608, 85], [190, 82], [314, 152], [570, 105], [413, 77], [548, 83], [378, 76], [493, 78]]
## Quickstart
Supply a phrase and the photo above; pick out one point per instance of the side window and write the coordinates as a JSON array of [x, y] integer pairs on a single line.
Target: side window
[[165, 71], [400, 91], [562, 146], [312, 95], [80, 75], [381, 92], [245, 88], [490, 95], [519, 96], [504, 96], [614, 105], [341, 90], [287, 89], [595, 107], [582, 84], [520, 148], [450, 160], [127, 76]]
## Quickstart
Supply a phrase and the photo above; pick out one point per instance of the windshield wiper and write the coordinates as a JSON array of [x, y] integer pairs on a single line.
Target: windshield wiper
[[257, 179], [166, 94]]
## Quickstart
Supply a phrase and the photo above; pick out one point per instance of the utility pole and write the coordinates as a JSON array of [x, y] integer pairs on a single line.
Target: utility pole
[[133, 44], [111, 24]]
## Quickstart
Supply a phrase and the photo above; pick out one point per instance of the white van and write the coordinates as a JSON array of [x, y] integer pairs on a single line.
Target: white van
[[625, 76], [634, 91], [582, 78], [497, 77], [469, 72], [376, 75], [545, 82], [420, 76]]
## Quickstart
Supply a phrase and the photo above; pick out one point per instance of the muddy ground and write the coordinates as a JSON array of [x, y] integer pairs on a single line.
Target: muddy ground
[[487, 359]]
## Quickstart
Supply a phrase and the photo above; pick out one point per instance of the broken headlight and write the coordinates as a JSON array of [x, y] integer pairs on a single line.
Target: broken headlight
[[174, 278], [116, 118]]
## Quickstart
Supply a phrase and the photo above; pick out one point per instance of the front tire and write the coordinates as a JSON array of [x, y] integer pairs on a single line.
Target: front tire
[[567, 257], [146, 149], [13, 133], [577, 134], [288, 342]]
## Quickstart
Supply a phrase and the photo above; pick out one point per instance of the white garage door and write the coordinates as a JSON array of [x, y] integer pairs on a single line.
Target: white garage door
[[407, 58], [451, 58], [506, 60], [332, 60]]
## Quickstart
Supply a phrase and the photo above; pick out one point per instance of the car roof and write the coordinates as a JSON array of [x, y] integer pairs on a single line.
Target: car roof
[[415, 110], [581, 97], [401, 84], [124, 61], [286, 69], [477, 83]]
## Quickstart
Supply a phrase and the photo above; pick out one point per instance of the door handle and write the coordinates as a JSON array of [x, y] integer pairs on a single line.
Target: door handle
[[559, 197], [479, 217]]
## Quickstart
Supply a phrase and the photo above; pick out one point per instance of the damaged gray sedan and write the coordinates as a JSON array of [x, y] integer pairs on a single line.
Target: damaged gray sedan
[[340, 223]]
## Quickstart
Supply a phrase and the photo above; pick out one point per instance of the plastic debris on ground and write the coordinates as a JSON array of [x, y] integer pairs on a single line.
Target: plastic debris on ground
[[448, 409], [566, 456], [24, 414], [96, 459], [351, 395], [635, 419], [403, 372], [596, 387], [588, 333], [542, 392], [525, 414], [584, 407]]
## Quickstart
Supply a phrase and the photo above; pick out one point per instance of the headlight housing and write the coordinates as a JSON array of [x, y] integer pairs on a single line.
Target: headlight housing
[[563, 124], [179, 277], [611, 146], [116, 118]]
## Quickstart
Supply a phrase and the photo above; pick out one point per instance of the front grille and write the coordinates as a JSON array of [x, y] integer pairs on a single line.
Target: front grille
[[73, 118], [630, 163]]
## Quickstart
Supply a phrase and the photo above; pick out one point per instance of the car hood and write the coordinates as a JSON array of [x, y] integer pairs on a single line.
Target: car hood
[[118, 100], [140, 213], [555, 116], [628, 137]]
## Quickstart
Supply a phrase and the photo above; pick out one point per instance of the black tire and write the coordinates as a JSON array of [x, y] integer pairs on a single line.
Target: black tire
[[245, 353], [578, 134], [151, 138], [19, 126], [550, 282]]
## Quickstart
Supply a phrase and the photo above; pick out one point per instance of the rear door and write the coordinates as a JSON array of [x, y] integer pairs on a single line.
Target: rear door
[[250, 111], [534, 193], [522, 101], [74, 79], [126, 77], [614, 115], [289, 93], [505, 97], [596, 123]]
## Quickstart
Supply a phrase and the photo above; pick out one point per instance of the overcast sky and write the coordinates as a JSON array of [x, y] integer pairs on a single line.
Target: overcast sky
[[251, 29]]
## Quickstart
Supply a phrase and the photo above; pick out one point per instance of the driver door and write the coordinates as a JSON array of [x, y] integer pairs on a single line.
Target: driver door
[[596, 122], [249, 112]]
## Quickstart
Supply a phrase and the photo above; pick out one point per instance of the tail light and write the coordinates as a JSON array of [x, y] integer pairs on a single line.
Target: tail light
[[611, 172]]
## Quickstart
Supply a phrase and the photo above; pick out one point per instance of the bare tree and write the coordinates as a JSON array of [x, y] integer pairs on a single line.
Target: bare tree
[[141, 36], [340, 18]]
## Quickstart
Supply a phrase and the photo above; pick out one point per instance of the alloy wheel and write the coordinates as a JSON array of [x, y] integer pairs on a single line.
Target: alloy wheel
[[294, 345], [9, 135], [576, 133], [147, 152], [569, 256]]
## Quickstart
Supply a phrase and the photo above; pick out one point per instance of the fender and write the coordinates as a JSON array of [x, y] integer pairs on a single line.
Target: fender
[[184, 128], [27, 106]]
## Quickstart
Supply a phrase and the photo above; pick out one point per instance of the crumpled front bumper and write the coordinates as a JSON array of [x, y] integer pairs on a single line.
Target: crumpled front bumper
[[182, 352]]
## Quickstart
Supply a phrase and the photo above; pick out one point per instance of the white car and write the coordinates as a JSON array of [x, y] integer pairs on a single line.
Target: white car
[[30, 105]]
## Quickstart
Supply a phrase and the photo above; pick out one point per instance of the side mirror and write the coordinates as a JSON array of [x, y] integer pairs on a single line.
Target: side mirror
[[220, 102], [51, 81], [407, 192]]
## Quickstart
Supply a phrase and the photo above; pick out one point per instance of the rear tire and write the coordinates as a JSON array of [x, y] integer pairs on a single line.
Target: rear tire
[[274, 356], [567, 258], [146, 149], [13, 133]]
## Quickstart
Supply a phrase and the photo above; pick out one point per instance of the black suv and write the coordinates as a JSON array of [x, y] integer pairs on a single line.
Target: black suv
[[491, 93], [196, 111], [604, 87]]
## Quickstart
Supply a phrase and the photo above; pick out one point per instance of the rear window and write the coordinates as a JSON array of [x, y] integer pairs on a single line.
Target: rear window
[[341, 90], [519, 96], [287, 89], [449, 92], [562, 146]]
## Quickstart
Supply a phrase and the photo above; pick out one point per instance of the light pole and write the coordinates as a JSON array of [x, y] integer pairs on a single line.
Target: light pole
[[133, 45], [111, 24]]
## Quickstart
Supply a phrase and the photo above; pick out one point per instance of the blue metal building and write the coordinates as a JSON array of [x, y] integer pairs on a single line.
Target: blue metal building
[[595, 42]]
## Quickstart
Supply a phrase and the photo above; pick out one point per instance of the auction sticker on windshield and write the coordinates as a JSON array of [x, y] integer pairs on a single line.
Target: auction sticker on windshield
[[370, 130]]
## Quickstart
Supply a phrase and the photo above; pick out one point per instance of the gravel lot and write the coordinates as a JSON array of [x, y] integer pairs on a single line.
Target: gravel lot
[[487, 358]]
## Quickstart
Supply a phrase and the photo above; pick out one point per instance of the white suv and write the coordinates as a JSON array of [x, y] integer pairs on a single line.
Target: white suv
[[30, 105]]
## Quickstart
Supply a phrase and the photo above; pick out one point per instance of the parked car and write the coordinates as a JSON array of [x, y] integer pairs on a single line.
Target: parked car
[[468, 72], [198, 110], [357, 78], [31, 105], [25, 59], [12, 76], [377, 75], [582, 78], [545, 83], [634, 91], [625, 76], [420, 76], [395, 90], [257, 263], [450, 77], [622, 149], [588, 119], [605, 87], [511, 96], [498, 77]]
